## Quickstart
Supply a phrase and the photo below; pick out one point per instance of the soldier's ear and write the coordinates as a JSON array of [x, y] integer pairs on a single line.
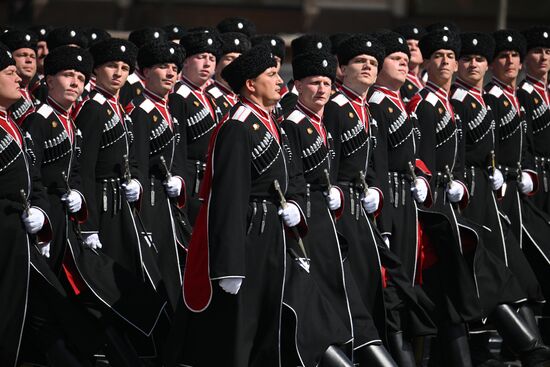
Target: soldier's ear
[[250, 85]]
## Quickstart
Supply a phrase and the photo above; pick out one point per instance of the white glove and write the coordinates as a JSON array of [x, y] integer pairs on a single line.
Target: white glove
[[290, 214], [455, 192], [91, 241], [526, 183], [131, 190], [386, 239], [496, 179], [73, 201], [33, 221], [45, 250], [333, 199], [419, 190], [371, 201], [173, 187], [231, 285]]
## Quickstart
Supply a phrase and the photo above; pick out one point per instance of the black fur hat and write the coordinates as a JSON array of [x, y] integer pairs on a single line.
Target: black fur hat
[[443, 26], [234, 42], [199, 42], [361, 44], [310, 43], [538, 36], [314, 64], [17, 39], [510, 40], [411, 31], [114, 49], [95, 35], [6, 58], [204, 29], [335, 40], [393, 42], [439, 40], [477, 44], [276, 43], [69, 58], [248, 66], [41, 31], [174, 32], [64, 36], [142, 36], [154, 53], [237, 24]]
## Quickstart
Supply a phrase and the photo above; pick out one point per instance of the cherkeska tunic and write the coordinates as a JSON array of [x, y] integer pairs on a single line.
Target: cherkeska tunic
[[223, 97]]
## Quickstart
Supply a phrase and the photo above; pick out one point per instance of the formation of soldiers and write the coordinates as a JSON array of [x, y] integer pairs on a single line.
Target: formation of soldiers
[[169, 200]]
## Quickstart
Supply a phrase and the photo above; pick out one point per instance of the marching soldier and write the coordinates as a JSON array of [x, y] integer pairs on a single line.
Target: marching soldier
[[195, 110], [156, 138], [21, 225], [22, 45], [233, 45], [233, 275], [412, 33], [335, 40], [533, 95], [395, 155], [41, 31], [348, 120]]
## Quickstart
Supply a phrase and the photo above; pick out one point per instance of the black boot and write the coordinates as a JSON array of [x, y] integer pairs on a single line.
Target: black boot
[[528, 316], [401, 350], [118, 351], [458, 347], [423, 346], [374, 356], [519, 336], [335, 357]]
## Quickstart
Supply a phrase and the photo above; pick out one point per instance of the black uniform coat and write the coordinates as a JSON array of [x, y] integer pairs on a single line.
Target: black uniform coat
[[448, 277], [197, 115], [16, 173], [412, 85], [534, 97], [528, 224], [133, 88], [156, 137], [239, 234], [348, 121], [223, 97]]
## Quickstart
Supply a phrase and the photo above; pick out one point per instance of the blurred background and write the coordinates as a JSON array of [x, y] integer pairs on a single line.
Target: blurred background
[[277, 16]]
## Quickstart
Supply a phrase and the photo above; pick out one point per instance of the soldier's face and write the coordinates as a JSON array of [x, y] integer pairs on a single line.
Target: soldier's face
[[537, 61], [395, 69], [472, 68], [506, 66], [266, 87], [199, 68], [314, 91], [112, 75], [416, 55], [25, 60], [9, 86], [41, 52], [362, 71], [160, 78], [223, 62], [441, 66], [66, 86]]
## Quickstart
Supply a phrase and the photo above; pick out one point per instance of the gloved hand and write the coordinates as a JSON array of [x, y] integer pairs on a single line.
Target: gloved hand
[[333, 199], [33, 221], [419, 190], [290, 214], [526, 183], [173, 187], [496, 179], [131, 190], [371, 201], [386, 239], [45, 250], [73, 201], [231, 285], [91, 241], [455, 192]]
